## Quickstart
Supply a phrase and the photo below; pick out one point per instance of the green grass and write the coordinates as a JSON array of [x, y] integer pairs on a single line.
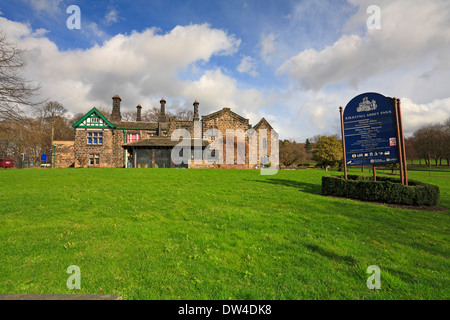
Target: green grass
[[214, 234]]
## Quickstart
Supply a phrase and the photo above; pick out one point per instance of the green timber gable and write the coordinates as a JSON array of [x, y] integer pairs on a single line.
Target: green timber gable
[[93, 120]]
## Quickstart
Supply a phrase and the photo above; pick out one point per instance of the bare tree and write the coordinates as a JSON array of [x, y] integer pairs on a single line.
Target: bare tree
[[129, 115], [104, 111], [410, 150], [429, 142], [152, 115], [184, 115], [446, 144], [52, 112], [15, 91]]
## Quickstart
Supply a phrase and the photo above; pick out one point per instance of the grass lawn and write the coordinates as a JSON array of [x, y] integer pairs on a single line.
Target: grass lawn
[[215, 234]]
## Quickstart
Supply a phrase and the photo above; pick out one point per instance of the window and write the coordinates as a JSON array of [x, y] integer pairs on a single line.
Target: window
[[212, 132], [94, 159], [132, 137], [95, 138], [94, 120]]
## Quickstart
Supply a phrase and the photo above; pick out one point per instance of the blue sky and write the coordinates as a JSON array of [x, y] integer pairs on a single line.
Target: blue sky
[[292, 62]]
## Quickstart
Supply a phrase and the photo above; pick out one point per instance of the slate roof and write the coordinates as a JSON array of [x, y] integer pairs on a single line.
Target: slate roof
[[159, 142], [139, 125]]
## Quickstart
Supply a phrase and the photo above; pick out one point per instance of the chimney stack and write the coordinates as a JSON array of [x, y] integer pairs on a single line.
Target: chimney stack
[[196, 117], [138, 113], [115, 115], [162, 115]]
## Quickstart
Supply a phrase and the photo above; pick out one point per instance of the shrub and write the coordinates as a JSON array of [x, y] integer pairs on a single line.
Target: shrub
[[385, 189]]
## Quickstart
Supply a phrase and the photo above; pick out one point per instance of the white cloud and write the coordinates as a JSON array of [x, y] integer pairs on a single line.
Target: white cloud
[[92, 29], [409, 57], [50, 7], [139, 67], [215, 90], [415, 115], [248, 65], [112, 16], [408, 37], [268, 46]]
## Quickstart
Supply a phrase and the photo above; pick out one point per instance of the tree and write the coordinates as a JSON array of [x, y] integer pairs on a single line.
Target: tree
[[291, 152], [446, 145], [410, 150], [184, 115], [429, 142], [15, 91], [308, 146], [129, 115], [328, 151], [52, 112], [104, 112]]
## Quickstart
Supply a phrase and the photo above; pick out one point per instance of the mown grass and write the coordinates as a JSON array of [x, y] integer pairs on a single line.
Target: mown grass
[[214, 234]]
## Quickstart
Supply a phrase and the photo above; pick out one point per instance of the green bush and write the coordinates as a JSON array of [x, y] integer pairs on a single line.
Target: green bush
[[386, 190]]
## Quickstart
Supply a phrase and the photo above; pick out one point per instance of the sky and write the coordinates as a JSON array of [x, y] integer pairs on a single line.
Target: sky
[[292, 62]]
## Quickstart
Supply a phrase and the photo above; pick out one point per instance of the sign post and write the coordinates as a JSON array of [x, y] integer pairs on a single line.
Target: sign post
[[372, 133], [402, 140], [399, 144], [343, 144]]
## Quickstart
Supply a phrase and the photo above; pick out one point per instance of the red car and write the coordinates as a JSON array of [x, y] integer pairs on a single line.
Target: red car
[[6, 163]]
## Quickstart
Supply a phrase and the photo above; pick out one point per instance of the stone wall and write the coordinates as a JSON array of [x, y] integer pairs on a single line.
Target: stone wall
[[64, 156], [110, 151]]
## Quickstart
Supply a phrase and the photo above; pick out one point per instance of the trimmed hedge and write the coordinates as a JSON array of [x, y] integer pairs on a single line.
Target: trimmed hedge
[[385, 190]]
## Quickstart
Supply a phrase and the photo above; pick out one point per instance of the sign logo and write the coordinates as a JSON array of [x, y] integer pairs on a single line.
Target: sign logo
[[392, 142], [367, 105]]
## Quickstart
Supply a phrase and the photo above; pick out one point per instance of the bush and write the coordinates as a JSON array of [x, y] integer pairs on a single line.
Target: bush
[[386, 190]]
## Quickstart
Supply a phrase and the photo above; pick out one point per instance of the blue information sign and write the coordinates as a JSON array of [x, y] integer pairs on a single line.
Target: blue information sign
[[370, 130], [43, 158]]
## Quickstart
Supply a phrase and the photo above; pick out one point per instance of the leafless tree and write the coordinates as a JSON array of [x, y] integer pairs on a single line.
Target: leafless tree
[[15, 91], [129, 115], [429, 142], [52, 112], [184, 115]]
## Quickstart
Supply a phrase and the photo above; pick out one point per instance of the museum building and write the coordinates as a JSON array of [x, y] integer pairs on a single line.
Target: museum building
[[114, 143]]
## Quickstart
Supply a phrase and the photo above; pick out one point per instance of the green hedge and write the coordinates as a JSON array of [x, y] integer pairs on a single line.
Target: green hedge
[[386, 190]]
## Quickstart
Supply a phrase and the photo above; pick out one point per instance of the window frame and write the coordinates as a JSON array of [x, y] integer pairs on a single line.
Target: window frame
[[94, 159], [94, 138]]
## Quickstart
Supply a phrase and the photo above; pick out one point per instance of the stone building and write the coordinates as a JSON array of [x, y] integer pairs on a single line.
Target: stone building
[[200, 143]]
